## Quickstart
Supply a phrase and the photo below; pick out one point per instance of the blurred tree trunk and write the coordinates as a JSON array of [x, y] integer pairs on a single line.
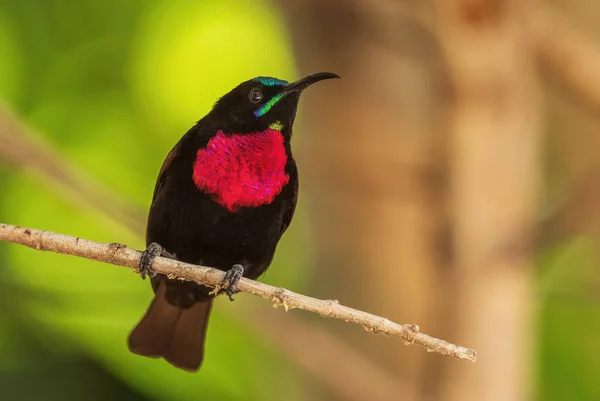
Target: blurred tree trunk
[[370, 170], [495, 170], [373, 157]]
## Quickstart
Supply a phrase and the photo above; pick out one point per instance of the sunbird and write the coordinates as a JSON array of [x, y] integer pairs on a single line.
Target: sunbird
[[224, 196]]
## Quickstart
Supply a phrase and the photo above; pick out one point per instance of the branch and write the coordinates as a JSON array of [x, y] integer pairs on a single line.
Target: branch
[[23, 148], [119, 254], [321, 353], [568, 54], [578, 215]]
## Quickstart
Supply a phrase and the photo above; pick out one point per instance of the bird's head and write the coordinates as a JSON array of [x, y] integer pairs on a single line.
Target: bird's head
[[257, 104]]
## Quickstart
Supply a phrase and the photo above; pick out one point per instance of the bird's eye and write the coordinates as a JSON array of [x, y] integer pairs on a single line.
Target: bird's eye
[[256, 95]]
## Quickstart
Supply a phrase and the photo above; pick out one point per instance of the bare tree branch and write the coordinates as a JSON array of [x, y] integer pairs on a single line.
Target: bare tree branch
[[321, 353], [23, 148], [578, 215], [569, 55], [119, 254]]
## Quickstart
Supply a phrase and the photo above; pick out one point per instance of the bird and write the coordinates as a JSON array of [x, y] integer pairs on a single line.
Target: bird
[[224, 196]]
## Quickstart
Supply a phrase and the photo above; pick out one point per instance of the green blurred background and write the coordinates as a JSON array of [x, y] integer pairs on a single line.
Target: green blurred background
[[113, 85], [109, 87]]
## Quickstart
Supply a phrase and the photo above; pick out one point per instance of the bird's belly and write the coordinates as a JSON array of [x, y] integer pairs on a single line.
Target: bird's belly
[[249, 239], [213, 236]]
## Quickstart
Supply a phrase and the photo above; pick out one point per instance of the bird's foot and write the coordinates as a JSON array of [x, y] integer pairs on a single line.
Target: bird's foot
[[148, 256], [230, 281]]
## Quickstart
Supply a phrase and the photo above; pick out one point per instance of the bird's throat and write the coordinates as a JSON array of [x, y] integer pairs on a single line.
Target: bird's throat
[[242, 170]]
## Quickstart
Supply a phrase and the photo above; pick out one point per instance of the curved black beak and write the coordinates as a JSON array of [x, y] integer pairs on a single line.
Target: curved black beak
[[305, 82]]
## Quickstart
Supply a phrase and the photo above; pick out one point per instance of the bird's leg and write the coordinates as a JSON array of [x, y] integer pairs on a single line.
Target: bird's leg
[[229, 283], [148, 256]]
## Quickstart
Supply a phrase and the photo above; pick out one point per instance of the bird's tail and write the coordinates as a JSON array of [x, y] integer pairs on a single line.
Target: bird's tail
[[172, 332]]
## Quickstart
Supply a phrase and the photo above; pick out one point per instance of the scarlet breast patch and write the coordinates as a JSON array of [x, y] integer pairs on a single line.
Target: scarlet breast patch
[[242, 170]]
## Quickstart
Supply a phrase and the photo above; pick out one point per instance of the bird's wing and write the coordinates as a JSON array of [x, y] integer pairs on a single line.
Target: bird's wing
[[162, 176]]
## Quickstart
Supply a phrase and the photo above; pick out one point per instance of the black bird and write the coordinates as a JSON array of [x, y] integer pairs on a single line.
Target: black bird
[[224, 196]]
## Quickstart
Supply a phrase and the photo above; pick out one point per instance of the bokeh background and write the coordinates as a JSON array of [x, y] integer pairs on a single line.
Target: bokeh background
[[451, 180]]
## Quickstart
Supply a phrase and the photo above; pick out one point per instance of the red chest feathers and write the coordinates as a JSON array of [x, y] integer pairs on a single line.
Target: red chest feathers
[[242, 170]]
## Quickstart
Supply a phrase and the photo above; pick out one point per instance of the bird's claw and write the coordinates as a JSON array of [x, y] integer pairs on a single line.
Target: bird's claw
[[147, 259], [230, 281]]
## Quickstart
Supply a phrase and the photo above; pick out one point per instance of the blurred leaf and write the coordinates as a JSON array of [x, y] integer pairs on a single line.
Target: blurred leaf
[[114, 100], [570, 323]]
